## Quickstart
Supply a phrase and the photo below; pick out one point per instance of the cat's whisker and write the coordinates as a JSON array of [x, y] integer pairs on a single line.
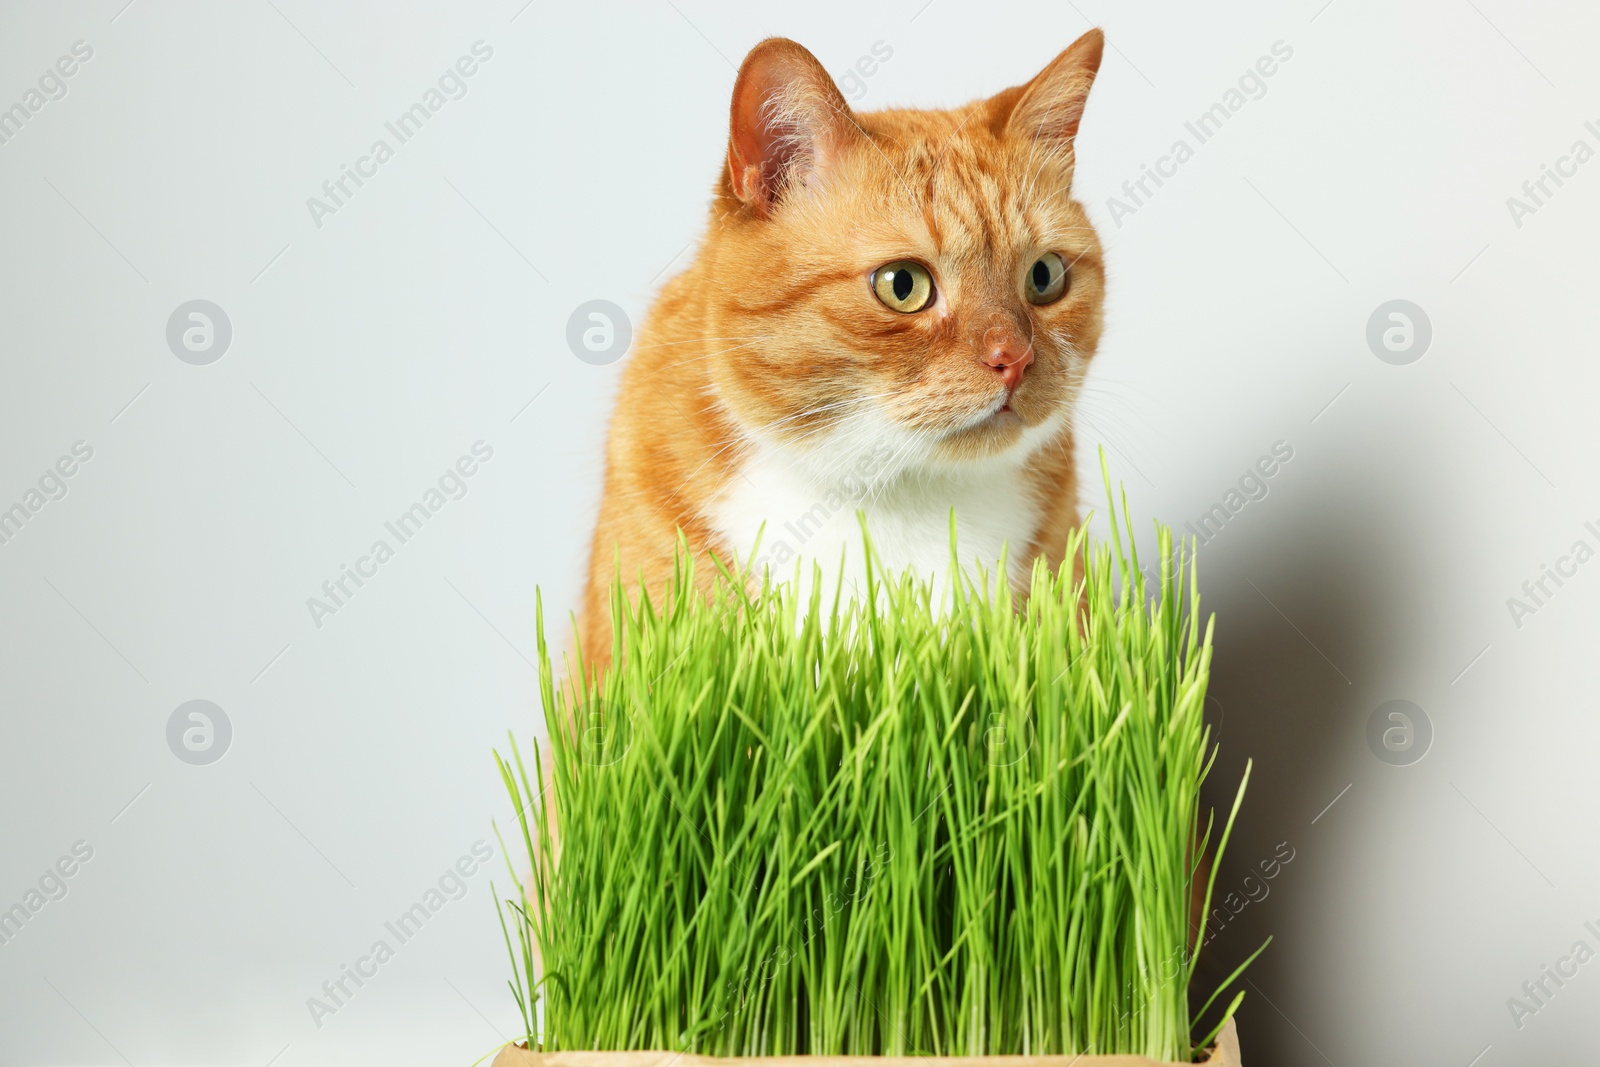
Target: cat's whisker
[[1050, 157], [1091, 395], [1032, 147], [1109, 426], [860, 400], [1102, 379], [690, 476], [896, 471], [1100, 393], [698, 340], [708, 355], [819, 409], [868, 138], [839, 475], [749, 439], [1133, 405], [1113, 441], [847, 449]]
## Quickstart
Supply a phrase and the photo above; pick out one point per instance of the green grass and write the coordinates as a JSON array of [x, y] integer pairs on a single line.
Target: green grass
[[818, 828]]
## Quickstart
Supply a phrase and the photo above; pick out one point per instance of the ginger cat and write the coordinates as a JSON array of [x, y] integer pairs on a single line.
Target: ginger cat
[[891, 312]]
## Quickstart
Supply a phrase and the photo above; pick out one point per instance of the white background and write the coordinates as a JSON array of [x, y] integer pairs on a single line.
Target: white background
[[369, 353]]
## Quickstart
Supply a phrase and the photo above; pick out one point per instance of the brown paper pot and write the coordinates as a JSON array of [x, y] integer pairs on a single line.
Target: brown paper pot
[[1226, 1054]]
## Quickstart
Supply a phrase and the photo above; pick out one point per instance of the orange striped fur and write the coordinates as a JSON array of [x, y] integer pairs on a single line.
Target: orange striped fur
[[770, 365]]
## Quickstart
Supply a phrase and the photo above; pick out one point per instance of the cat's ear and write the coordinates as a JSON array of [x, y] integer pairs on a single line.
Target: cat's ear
[[788, 122], [1051, 105]]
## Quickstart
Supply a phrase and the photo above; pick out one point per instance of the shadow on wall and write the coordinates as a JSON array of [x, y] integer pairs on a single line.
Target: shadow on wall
[[1309, 601]]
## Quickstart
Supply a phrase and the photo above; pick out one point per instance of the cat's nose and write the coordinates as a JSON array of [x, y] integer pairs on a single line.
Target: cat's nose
[[1010, 356]]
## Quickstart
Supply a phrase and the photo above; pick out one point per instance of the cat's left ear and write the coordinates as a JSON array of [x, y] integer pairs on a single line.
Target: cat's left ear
[[1051, 105], [788, 122]]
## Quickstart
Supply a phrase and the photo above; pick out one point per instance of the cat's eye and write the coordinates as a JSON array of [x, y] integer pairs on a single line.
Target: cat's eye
[[1047, 279], [903, 286]]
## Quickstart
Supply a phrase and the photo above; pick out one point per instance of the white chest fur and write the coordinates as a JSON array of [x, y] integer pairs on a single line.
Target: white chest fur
[[806, 511]]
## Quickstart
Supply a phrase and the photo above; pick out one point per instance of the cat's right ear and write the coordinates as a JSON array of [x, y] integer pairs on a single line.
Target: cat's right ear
[[788, 122]]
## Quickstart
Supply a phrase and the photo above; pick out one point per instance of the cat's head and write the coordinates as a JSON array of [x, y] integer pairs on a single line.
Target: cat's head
[[916, 280]]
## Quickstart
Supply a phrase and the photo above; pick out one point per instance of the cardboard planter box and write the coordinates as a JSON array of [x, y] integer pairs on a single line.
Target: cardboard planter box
[[1225, 1054]]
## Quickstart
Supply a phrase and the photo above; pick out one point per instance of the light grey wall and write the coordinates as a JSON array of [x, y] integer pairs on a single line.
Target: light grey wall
[[429, 312]]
